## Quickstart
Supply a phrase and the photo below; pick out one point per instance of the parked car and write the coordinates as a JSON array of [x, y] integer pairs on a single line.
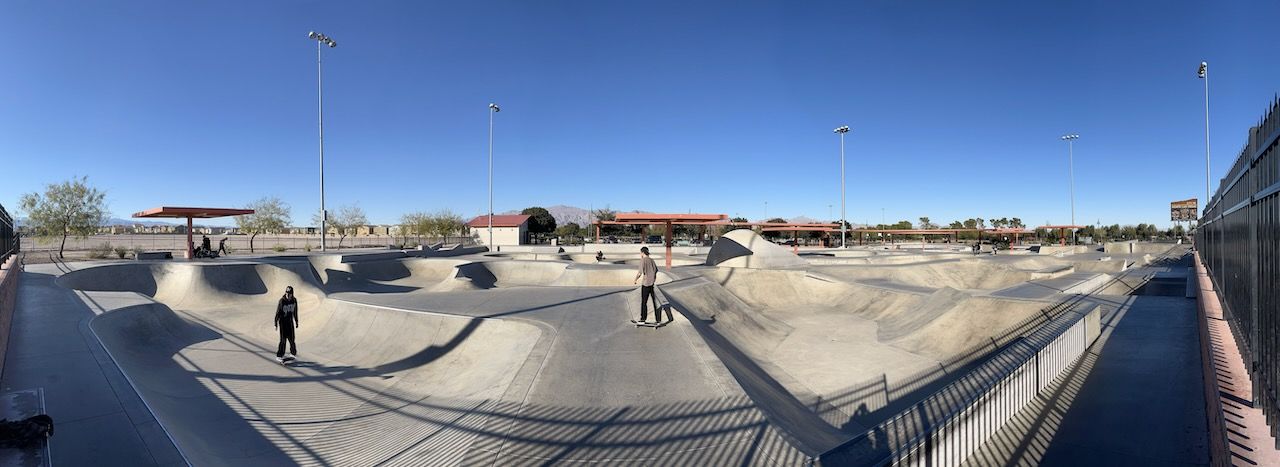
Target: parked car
[[654, 239]]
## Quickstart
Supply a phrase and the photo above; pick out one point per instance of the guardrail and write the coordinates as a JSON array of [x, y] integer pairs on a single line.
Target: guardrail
[[1237, 240], [948, 426]]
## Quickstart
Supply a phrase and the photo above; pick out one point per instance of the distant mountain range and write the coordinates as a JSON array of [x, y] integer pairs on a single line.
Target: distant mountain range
[[565, 214]]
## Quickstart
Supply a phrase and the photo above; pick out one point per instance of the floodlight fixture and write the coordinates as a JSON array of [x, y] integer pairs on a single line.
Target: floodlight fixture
[[323, 39]]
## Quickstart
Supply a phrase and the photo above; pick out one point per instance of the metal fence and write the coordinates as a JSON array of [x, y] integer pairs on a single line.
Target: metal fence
[[8, 235], [238, 244], [1239, 243]]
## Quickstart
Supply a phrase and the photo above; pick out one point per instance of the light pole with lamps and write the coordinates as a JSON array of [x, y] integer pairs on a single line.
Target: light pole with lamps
[[1204, 75], [493, 109], [321, 40], [1071, 177], [841, 131]]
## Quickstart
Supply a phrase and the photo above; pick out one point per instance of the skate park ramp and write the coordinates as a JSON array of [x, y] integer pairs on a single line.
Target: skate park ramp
[[743, 248], [850, 350], [504, 375], [197, 343]]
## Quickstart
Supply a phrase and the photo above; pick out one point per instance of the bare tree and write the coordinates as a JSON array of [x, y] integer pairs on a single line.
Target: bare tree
[[68, 208], [270, 215], [414, 223], [347, 221]]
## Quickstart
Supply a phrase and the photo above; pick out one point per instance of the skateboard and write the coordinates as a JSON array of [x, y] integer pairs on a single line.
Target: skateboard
[[287, 360], [649, 325]]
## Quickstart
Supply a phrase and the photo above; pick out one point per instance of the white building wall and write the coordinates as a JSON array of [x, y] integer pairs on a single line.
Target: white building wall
[[502, 235]]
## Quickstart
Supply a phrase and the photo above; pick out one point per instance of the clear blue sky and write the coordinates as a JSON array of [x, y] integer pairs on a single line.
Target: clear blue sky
[[956, 107]]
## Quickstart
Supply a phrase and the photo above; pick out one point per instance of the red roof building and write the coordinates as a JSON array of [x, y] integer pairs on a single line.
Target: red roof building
[[508, 229], [505, 220]]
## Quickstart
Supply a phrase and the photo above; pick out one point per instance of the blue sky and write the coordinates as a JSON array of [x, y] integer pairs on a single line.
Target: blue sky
[[956, 107]]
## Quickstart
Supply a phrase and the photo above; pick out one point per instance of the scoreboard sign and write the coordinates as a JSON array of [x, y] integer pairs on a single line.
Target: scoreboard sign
[[1185, 210]]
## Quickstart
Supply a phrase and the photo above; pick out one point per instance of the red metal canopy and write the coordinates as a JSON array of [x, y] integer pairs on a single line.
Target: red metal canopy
[[1062, 229], [667, 219], [194, 213], [191, 213]]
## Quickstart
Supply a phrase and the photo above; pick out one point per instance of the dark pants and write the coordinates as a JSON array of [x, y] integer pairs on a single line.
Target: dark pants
[[286, 333], [646, 294]]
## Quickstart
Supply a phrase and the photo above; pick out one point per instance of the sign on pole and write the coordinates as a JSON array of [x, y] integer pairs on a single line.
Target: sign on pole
[[1185, 210]]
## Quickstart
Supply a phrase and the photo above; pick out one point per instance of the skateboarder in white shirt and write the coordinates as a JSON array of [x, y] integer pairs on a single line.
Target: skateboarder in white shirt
[[648, 271], [286, 320]]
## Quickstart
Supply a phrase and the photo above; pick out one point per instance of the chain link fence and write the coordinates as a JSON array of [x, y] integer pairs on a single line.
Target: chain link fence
[[1239, 243]]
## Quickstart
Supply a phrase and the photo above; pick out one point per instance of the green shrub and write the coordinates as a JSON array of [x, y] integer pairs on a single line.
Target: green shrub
[[101, 251], [279, 248], [136, 251], [120, 251], [308, 246]]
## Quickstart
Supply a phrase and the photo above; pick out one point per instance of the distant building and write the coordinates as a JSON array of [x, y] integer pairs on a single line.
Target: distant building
[[511, 229]]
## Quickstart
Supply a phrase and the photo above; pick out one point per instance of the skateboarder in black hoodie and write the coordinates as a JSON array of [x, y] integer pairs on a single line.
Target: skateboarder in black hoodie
[[286, 320]]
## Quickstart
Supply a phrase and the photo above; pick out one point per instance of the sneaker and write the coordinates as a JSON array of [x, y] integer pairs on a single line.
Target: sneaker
[[280, 359]]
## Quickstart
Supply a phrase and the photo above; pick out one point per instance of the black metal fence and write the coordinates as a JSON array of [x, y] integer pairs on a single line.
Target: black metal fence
[[8, 235], [1239, 243]]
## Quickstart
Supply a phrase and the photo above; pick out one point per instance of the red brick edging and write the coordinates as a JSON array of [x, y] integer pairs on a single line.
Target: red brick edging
[[1237, 430]]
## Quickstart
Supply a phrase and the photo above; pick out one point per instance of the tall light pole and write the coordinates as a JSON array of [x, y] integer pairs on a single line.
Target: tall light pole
[[321, 41], [841, 131], [1071, 177], [766, 211], [1204, 75], [493, 109]]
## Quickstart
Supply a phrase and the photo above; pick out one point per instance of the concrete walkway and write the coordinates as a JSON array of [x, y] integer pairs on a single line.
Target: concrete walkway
[[1135, 398], [99, 418]]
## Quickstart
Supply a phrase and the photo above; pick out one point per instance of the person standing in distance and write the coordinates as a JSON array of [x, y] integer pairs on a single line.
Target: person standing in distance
[[648, 271], [286, 321]]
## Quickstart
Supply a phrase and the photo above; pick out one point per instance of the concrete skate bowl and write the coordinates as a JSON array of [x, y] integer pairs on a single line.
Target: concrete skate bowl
[[375, 385], [444, 275], [824, 338], [967, 274]]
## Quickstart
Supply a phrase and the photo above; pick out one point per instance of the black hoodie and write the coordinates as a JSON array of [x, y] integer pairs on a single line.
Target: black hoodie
[[287, 312]]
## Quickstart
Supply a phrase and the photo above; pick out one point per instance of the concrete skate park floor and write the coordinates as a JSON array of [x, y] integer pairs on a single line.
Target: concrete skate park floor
[[440, 361]]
